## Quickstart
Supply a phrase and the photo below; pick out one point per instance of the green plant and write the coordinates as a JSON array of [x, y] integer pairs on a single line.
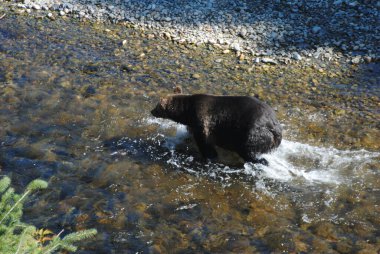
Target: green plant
[[18, 237]]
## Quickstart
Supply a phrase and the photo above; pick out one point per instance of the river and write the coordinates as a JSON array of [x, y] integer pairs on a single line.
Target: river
[[75, 101]]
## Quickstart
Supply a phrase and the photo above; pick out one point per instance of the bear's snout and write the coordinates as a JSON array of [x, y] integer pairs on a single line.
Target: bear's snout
[[157, 111], [154, 112]]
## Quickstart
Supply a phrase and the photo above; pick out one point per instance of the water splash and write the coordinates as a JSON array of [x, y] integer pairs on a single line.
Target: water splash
[[297, 161], [293, 162]]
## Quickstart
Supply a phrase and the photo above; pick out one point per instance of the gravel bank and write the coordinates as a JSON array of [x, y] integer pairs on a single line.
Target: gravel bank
[[272, 32]]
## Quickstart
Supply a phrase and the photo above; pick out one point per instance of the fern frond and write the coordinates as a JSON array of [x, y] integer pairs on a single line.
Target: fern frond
[[4, 183], [24, 237], [28, 239], [37, 185], [80, 235], [68, 246], [7, 197]]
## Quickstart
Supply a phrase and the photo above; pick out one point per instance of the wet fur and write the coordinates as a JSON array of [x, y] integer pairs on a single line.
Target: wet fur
[[241, 124]]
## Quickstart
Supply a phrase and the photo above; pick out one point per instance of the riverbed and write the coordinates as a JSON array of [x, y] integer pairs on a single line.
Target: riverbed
[[75, 101]]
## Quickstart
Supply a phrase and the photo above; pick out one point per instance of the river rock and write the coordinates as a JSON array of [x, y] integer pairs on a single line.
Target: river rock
[[356, 60], [316, 29], [234, 25], [196, 76], [235, 46], [268, 60], [36, 7], [296, 56]]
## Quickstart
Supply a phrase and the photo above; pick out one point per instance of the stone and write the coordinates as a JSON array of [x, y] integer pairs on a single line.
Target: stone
[[296, 56], [235, 46], [367, 59], [268, 60], [356, 60], [88, 91], [338, 2], [243, 33], [37, 7], [196, 76], [167, 35], [316, 29]]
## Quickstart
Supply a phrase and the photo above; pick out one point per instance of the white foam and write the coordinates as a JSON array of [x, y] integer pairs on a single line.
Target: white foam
[[290, 162], [163, 123], [324, 165], [171, 142]]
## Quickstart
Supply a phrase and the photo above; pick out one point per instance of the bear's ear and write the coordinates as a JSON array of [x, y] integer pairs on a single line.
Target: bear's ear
[[177, 90]]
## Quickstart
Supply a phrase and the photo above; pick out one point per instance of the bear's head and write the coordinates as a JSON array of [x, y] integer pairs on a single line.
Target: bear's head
[[164, 107]]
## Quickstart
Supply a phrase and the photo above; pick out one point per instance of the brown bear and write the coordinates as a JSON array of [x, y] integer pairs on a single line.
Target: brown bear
[[242, 124]]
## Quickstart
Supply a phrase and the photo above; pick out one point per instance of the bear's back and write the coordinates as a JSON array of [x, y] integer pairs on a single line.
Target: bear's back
[[231, 108]]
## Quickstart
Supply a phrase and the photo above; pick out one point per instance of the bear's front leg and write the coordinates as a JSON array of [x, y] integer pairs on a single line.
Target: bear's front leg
[[205, 148]]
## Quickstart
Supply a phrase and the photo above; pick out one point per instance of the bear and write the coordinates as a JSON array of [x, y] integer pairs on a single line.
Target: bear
[[242, 124]]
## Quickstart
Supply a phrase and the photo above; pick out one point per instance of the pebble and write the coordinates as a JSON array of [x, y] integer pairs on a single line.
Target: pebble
[[167, 35], [316, 29], [268, 60], [243, 33], [296, 56], [356, 60], [235, 46], [196, 76], [36, 7], [367, 59], [234, 27]]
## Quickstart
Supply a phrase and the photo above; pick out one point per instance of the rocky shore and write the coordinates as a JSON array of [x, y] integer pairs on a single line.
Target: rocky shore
[[263, 31]]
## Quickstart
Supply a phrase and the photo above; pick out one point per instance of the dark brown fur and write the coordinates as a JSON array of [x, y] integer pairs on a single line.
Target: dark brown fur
[[241, 124]]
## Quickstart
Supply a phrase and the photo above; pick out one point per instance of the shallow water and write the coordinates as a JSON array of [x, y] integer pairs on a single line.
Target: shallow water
[[74, 109]]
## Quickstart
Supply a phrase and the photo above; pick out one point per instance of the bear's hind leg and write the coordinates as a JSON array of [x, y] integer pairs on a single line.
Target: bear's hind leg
[[206, 149]]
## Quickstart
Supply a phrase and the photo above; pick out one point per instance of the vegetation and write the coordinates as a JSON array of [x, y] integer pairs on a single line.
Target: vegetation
[[18, 237]]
